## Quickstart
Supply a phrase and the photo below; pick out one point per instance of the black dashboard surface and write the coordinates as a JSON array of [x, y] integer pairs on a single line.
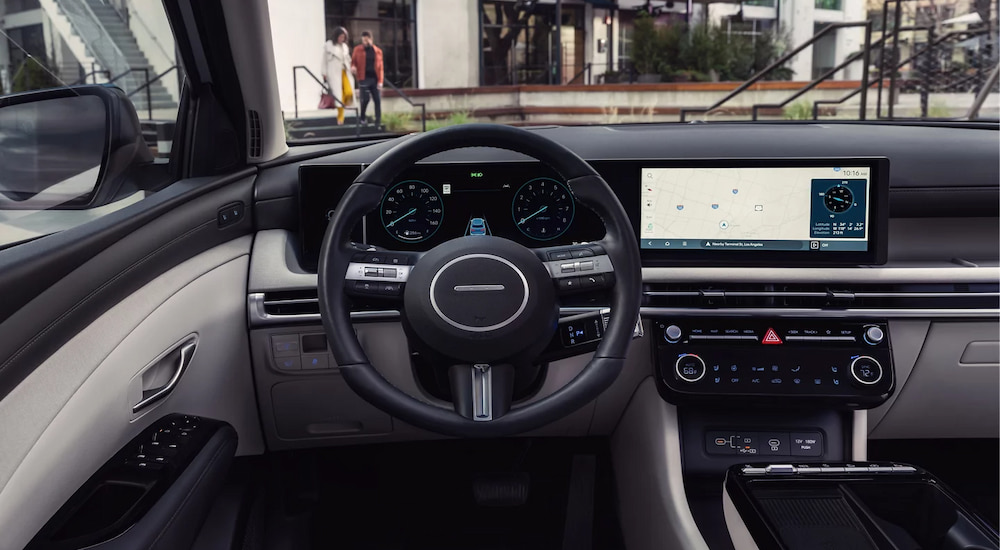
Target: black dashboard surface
[[937, 171], [774, 214]]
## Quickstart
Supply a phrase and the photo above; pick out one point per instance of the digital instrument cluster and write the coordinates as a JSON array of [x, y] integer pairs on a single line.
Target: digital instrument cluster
[[432, 203]]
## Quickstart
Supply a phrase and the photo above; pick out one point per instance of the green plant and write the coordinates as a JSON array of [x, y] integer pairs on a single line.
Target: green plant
[[646, 54], [459, 117], [938, 110], [800, 110], [454, 119], [397, 121]]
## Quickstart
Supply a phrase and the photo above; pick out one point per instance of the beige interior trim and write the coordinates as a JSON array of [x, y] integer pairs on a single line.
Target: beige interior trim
[[646, 452], [859, 436], [738, 532]]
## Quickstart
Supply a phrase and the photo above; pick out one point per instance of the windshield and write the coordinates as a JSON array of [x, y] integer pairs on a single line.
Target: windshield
[[348, 68]]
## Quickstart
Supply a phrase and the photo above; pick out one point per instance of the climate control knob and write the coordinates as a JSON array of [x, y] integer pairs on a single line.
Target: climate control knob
[[689, 367], [866, 370], [874, 335], [672, 334]]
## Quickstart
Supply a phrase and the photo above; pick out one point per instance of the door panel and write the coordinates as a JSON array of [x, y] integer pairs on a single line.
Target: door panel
[[74, 411], [55, 286]]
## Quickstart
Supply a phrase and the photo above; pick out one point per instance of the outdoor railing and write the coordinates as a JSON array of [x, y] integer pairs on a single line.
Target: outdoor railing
[[406, 98], [323, 85], [97, 39], [864, 54]]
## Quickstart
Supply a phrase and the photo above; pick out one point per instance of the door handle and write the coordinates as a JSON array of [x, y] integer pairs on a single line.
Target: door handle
[[173, 363]]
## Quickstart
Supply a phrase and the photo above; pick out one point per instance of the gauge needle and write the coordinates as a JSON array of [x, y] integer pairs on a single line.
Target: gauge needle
[[839, 199], [393, 222], [537, 212]]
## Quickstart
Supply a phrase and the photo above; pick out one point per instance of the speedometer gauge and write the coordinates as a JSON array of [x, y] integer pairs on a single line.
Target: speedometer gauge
[[412, 211], [543, 209]]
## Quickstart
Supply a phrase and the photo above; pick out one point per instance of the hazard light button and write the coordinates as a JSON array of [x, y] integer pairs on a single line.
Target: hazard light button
[[771, 337]]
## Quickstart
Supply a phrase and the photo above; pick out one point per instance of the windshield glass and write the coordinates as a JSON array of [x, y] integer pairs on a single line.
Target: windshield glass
[[351, 67]]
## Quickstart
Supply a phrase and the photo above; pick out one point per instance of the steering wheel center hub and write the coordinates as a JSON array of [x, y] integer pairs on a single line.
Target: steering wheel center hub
[[481, 300], [479, 292]]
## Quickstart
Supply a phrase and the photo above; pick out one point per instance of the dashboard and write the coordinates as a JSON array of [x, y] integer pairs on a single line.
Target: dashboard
[[720, 211]]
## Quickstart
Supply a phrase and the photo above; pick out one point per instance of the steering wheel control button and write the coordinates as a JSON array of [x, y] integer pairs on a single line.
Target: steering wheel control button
[[585, 266], [583, 253], [557, 255], [568, 268], [569, 284], [874, 335], [672, 334], [689, 367], [866, 370]]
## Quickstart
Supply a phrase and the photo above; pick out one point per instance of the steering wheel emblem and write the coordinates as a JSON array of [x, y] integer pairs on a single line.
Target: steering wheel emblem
[[479, 307]]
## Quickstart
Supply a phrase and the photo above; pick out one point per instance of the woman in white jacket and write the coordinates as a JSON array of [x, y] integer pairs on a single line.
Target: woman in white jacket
[[337, 70]]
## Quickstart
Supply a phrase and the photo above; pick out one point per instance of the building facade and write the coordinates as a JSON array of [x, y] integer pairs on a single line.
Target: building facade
[[470, 43], [94, 41]]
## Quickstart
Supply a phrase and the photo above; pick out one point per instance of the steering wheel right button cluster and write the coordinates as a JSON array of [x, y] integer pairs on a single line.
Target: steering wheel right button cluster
[[866, 370]]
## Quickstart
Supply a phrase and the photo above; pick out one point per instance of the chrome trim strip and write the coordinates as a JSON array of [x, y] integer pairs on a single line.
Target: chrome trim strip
[[940, 272], [796, 294], [257, 316], [482, 393], [602, 264], [478, 288], [187, 349], [818, 313]]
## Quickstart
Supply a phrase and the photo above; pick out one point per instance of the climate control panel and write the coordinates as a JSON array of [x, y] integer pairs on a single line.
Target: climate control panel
[[779, 361]]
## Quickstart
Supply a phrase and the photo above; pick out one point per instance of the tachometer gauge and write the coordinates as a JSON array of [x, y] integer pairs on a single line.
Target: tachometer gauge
[[838, 199], [412, 211], [543, 209]]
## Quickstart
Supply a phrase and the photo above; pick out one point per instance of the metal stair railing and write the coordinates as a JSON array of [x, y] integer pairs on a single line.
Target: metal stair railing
[[406, 98], [295, 92], [97, 40], [864, 54]]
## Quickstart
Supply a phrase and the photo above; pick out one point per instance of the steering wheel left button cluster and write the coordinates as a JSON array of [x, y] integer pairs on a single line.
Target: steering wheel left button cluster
[[378, 273]]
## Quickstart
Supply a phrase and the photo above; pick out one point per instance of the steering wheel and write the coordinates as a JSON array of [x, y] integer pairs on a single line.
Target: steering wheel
[[483, 304]]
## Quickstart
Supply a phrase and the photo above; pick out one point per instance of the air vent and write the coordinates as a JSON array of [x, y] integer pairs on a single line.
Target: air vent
[[291, 302], [255, 134], [831, 296]]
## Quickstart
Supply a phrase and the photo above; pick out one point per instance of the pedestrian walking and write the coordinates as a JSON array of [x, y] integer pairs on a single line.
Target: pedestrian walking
[[366, 64], [338, 73]]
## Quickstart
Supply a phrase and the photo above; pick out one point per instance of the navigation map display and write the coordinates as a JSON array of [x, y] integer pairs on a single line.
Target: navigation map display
[[803, 208]]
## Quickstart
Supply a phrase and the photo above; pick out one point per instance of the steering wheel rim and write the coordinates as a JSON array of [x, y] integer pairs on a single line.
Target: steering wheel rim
[[587, 187]]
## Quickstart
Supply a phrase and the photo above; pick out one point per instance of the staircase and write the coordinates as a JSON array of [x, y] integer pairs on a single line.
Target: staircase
[[125, 41]]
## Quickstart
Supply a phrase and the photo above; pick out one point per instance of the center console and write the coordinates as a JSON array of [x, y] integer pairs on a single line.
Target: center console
[[849, 506]]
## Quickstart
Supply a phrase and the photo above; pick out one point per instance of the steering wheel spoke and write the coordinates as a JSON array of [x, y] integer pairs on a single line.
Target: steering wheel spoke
[[578, 268], [481, 392], [379, 273]]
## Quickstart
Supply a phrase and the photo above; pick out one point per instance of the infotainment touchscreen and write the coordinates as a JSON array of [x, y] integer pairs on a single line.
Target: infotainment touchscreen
[[809, 209]]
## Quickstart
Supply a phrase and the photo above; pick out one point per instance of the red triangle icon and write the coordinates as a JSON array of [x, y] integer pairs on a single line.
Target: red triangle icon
[[771, 337]]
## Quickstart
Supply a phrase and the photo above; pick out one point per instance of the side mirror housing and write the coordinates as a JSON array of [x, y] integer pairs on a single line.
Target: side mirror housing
[[67, 148]]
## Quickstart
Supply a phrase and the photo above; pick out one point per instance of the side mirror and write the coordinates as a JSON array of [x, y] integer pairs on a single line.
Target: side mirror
[[67, 148]]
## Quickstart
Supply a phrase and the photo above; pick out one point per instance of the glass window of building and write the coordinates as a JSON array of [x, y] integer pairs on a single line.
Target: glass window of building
[[392, 24], [519, 43]]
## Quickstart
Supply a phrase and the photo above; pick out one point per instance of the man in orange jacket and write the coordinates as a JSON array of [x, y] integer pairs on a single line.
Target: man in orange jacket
[[366, 64]]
